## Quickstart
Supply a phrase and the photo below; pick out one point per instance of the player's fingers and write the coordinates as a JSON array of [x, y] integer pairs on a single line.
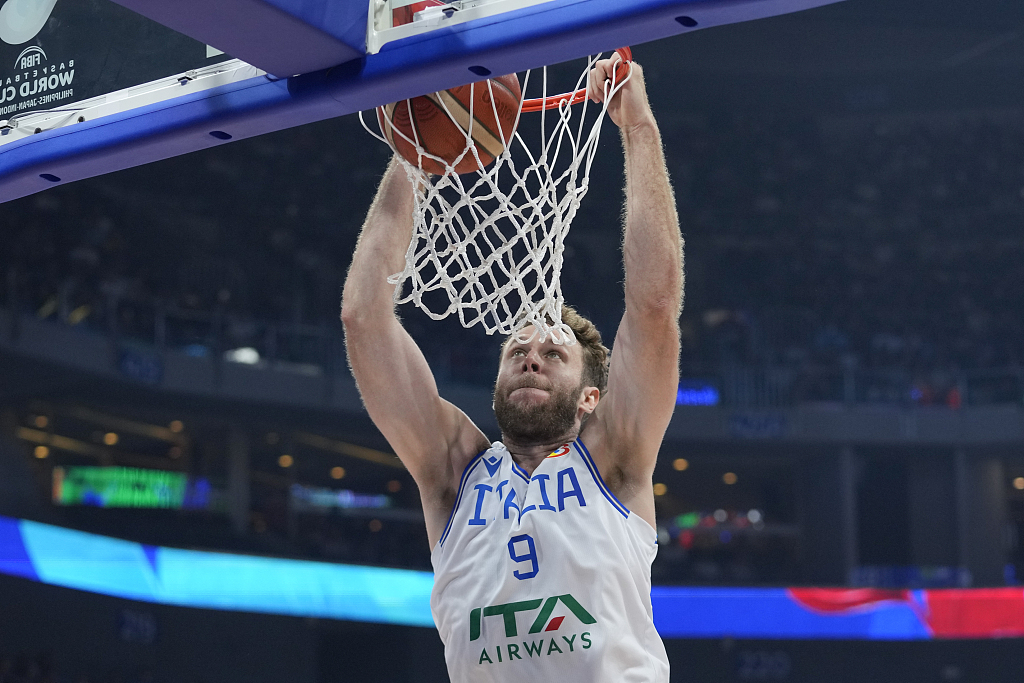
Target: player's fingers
[[621, 69], [595, 83], [602, 75], [614, 62]]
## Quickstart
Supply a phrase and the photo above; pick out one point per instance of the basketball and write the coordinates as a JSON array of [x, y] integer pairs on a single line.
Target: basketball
[[441, 123]]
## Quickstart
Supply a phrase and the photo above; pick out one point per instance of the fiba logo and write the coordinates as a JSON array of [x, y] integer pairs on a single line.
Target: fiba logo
[[22, 20], [36, 83], [31, 56]]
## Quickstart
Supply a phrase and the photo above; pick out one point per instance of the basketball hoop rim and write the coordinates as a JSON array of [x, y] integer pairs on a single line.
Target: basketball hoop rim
[[571, 98], [494, 249]]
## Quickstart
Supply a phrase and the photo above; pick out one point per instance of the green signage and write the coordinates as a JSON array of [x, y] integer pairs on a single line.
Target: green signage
[[119, 487]]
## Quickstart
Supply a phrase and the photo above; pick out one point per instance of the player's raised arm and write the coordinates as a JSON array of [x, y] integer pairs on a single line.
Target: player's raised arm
[[630, 421], [433, 438]]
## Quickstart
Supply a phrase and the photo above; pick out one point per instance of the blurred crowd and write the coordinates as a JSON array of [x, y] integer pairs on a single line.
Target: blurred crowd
[[894, 240], [26, 667], [876, 243]]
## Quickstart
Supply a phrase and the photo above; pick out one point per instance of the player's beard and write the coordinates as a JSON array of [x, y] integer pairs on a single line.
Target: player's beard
[[536, 422]]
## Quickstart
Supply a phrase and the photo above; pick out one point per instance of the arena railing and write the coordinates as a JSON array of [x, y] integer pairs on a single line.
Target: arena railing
[[839, 384], [224, 335]]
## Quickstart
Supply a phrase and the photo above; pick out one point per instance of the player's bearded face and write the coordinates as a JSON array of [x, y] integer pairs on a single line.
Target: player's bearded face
[[536, 420]]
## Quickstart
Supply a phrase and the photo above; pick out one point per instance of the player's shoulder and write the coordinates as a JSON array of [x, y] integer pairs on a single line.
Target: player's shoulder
[[440, 454], [466, 441], [479, 449], [439, 493], [622, 458], [626, 466]]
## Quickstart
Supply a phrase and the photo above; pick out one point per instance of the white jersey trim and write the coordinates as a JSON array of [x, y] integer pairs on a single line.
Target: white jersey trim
[[458, 498], [592, 466], [519, 470]]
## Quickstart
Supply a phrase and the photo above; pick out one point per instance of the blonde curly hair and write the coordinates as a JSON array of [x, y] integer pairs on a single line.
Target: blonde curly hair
[[595, 353]]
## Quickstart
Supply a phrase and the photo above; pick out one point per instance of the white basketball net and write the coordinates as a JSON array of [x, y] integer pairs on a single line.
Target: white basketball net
[[491, 241]]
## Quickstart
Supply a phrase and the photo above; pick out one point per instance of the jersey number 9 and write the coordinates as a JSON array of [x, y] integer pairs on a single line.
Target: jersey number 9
[[530, 556]]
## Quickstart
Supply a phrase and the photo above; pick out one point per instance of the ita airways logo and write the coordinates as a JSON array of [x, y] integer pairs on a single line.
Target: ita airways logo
[[562, 450], [552, 640], [22, 20]]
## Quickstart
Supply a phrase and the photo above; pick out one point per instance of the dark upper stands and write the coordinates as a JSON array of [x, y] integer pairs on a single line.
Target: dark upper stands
[[884, 242]]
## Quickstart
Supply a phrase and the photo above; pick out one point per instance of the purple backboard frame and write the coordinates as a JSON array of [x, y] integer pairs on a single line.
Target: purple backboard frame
[[549, 33]]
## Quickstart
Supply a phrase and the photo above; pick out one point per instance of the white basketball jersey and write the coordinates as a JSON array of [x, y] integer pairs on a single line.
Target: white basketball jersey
[[545, 578]]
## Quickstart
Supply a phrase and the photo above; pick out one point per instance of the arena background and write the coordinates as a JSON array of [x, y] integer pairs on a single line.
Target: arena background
[[850, 182]]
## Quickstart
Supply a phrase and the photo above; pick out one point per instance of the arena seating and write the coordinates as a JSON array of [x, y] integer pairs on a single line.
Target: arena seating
[[887, 245]]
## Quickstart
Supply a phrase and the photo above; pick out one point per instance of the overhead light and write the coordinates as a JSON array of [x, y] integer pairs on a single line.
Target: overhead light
[[394, 486], [660, 489], [111, 439], [1018, 483], [176, 426], [729, 478], [286, 461], [41, 421], [41, 452], [245, 354], [680, 464], [337, 472], [79, 314]]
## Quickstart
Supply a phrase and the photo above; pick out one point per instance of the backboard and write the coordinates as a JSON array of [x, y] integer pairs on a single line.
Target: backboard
[[292, 62]]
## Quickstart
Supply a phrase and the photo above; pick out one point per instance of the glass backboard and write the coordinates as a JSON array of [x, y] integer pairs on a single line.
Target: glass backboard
[[99, 88]]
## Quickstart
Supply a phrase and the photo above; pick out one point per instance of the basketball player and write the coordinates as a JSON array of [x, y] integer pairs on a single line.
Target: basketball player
[[542, 542]]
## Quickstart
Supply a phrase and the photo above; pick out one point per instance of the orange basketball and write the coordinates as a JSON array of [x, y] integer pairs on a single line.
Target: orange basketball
[[441, 122]]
